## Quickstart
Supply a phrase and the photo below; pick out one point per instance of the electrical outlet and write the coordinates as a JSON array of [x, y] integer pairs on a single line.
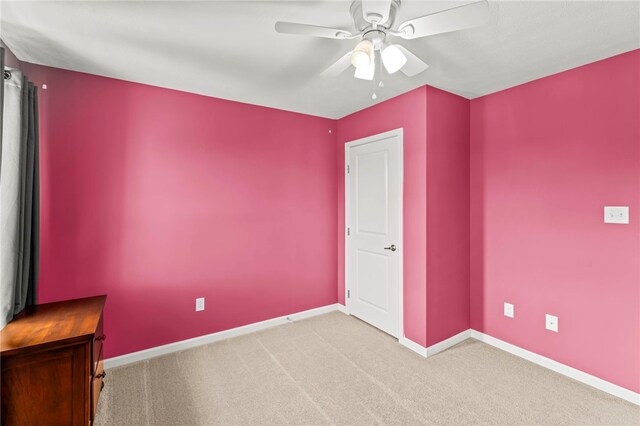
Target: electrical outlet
[[508, 310], [616, 214], [552, 323], [200, 304]]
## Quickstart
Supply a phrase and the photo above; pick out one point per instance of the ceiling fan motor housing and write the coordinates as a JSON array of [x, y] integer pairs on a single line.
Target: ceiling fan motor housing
[[377, 37], [363, 24]]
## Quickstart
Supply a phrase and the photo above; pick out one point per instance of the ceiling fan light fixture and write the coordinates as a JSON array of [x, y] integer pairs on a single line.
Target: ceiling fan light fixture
[[366, 72], [362, 55], [393, 58]]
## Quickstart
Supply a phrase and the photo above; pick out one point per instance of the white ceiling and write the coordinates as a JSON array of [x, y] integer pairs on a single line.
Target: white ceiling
[[229, 49]]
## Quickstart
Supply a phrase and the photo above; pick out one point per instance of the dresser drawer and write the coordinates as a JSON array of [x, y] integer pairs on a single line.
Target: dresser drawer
[[96, 385], [97, 346]]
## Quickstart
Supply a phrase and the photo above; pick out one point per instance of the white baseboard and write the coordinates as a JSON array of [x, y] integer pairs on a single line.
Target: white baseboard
[[341, 308], [438, 347], [416, 347], [446, 344], [215, 337], [563, 369]]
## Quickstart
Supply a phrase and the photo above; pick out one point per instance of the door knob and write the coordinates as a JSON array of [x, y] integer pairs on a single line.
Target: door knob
[[392, 247]]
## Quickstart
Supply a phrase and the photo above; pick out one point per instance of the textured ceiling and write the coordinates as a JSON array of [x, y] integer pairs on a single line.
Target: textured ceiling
[[229, 49]]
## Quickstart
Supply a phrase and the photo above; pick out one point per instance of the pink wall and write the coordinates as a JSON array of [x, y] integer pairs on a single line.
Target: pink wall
[[409, 112], [546, 157], [447, 215], [156, 197]]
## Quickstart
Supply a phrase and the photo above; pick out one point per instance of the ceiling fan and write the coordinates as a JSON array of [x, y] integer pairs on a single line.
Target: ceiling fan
[[374, 21]]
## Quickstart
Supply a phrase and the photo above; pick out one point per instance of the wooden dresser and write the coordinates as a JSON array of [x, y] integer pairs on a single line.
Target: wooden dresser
[[51, 357]]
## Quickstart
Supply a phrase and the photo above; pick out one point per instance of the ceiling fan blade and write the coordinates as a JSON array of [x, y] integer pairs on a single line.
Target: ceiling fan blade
[[338, 67], [311, 30], [414, 65], [458, 18], [376, 10]]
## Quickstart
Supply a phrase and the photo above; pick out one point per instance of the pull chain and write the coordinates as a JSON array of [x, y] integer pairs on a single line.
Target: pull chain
[[375, 74], [379, 70]]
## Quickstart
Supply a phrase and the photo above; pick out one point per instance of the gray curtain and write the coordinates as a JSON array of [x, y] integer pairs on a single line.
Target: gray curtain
[[1, 103], [19, 196]]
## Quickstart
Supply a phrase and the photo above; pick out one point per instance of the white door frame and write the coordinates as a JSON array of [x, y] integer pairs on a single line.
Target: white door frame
[[399, 133]]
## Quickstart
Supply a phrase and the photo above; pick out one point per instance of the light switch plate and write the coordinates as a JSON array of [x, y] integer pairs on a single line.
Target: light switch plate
[[616, 214], [552, 323], [508, 310], [200, 304]]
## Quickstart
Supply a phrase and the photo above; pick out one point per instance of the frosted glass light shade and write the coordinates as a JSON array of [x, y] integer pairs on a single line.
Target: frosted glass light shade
[[393, 58], [362, 55], [366, 72]]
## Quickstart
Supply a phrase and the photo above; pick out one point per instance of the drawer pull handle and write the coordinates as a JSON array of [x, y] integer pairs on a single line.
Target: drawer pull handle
[[103, 337], [101, 375]]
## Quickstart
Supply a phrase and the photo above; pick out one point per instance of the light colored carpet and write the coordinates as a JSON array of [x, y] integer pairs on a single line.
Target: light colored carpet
[[335, 369]]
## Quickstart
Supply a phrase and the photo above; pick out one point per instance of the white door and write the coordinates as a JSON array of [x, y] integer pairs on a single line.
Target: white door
[[374, 230]]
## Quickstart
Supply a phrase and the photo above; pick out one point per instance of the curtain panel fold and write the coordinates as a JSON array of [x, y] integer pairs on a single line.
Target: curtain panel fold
[[19, 196]]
